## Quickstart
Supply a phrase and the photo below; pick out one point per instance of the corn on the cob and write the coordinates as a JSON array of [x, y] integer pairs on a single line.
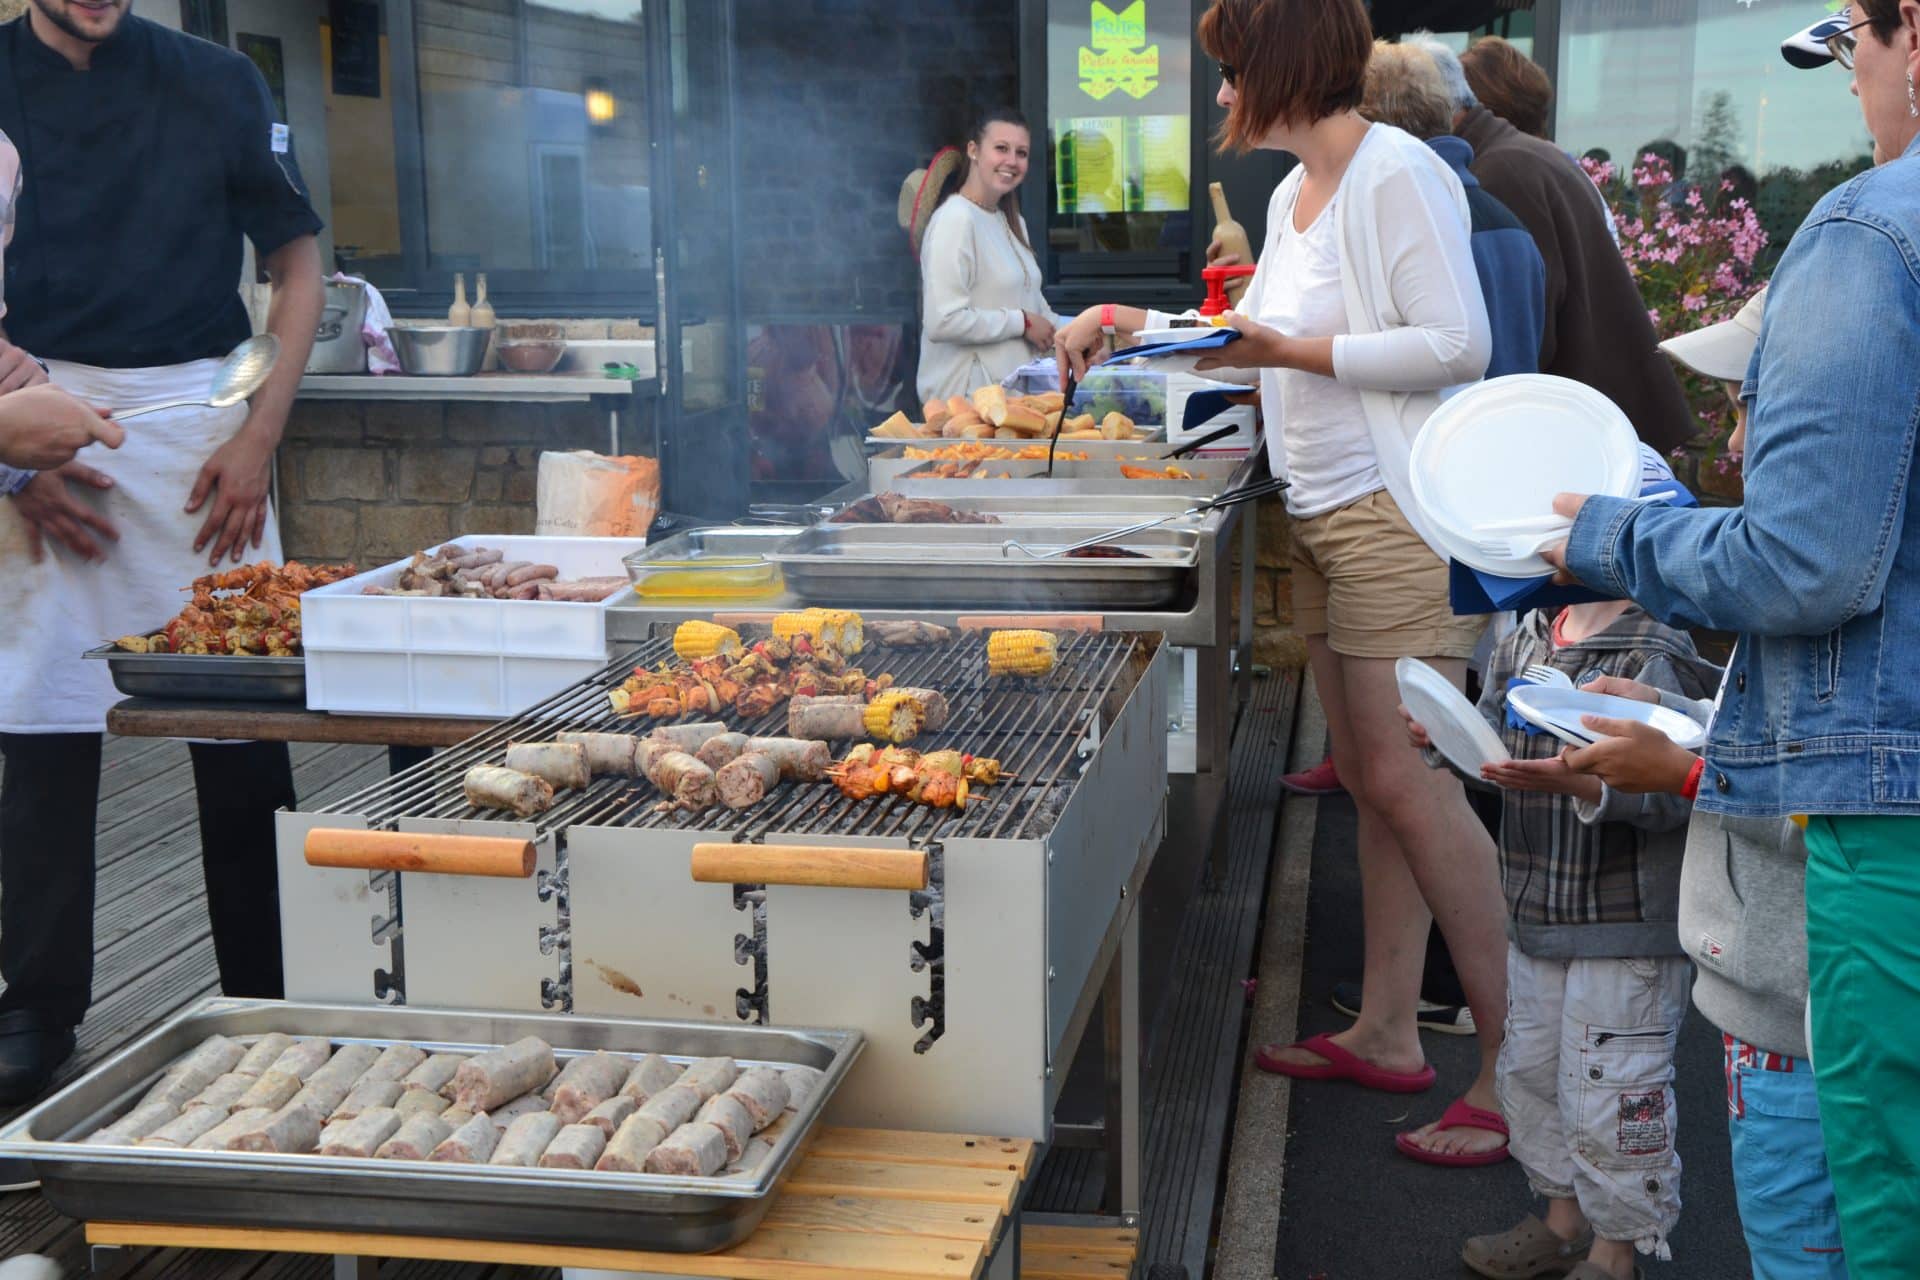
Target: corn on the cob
[[895, 717], [841, 628], [696, 639], [1022, 653]]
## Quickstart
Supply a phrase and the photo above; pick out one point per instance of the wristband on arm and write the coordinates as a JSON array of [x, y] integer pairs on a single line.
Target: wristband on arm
[[1692, 790]]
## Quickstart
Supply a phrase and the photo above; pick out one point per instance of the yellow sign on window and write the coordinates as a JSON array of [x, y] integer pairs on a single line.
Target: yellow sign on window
[[1120, 57]]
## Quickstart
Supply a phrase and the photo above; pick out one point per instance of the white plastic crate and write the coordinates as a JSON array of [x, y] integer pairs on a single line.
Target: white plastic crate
[[416, 655]]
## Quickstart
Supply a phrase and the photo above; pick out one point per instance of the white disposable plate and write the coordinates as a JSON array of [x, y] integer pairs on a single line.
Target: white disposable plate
[[1501, 450], [1558, 711], [1147, 337], [1455, 725]]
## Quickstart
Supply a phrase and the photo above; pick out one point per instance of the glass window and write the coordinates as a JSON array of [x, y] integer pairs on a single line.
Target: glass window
[[1120, 128], [1703, 82]]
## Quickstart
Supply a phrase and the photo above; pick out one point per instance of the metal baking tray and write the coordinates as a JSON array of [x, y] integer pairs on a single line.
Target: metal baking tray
[[1152, 443], [217, 677], [966, 566], [1091, 512], [311, 1192], [1203, 470]]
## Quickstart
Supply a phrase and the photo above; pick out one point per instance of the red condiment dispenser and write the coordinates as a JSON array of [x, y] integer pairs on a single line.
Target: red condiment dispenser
[[1216, 278]]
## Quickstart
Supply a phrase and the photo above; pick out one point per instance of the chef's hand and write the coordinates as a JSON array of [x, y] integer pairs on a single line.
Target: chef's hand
[[235, 477], [1039, 331], [1568, 505], [51, 511], [42, 427], [18, 369], [1548, 777], [1076, 344], [1632, 757]]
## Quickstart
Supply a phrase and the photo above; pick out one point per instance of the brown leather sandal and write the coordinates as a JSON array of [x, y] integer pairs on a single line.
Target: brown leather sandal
[[1528, 1250]]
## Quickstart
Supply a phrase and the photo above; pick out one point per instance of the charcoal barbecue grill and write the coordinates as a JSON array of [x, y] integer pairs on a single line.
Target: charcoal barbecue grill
[[969, 946]]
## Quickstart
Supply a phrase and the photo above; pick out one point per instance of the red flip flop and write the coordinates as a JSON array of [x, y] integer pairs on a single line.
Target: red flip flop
[[1342, 1065], [1460, 1115]]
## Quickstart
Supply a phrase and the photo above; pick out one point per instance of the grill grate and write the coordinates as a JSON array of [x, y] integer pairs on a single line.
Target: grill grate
[[1035, 729]]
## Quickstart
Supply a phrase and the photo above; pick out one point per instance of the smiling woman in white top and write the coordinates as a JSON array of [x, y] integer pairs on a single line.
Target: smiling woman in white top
[[1365, 308], [982, 314]]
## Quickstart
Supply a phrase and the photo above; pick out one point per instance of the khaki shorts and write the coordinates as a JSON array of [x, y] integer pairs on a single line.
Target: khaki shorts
[[1367, 582]]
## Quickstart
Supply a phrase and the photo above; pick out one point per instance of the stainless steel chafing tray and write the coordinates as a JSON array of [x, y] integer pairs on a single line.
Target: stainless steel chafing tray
[[201, 676], [967, 566], [1214, 472], [611, 1210]]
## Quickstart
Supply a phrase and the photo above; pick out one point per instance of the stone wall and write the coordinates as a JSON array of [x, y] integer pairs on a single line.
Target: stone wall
[[1274, 643], [374, 481]]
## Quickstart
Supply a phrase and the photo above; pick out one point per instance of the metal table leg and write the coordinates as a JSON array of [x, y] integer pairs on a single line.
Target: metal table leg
[[1120, 1001], [349, 1267]]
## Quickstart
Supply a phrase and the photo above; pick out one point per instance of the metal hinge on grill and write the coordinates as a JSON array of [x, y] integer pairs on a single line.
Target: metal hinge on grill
[[930, 956], [752, 1003], [557, 938]]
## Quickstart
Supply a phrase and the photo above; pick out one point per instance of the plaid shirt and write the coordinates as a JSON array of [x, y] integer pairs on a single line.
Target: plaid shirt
[[1586, 880]]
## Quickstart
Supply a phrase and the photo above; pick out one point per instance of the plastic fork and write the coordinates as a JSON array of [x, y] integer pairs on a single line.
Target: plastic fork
[[1520, 545], [1541, 673]]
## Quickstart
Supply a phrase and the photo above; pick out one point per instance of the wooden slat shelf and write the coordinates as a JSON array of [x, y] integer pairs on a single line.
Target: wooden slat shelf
[[1076, 1253]]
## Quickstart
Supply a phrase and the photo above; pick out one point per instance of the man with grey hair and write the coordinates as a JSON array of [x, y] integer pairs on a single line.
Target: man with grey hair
[[1452, 74]]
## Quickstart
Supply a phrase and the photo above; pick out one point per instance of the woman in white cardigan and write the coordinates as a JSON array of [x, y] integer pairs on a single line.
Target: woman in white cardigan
[[982, 314], [1365, 307]]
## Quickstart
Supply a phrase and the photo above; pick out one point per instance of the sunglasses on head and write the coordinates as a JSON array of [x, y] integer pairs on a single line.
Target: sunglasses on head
[[1842, 44]]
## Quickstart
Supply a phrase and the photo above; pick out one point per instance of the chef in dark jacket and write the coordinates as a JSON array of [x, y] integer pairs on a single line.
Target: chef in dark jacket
[[147, 156]]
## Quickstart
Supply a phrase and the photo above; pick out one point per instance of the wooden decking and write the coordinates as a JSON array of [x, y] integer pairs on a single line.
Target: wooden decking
[[153, 954]]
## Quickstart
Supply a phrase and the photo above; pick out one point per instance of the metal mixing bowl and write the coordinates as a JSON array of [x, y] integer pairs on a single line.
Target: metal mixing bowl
[[440, 350]]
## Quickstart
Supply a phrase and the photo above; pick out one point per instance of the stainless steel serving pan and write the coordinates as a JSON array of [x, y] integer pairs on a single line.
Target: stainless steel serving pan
[[311, 1192], [206, 677], [1216, 471], [965, 567]]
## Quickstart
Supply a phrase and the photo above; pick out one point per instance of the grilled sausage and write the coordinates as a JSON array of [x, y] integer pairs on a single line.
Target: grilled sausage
[[435, 1075], [368, 1095], [292, 1130], [576, 1146], [216, 1138], [672, 1106], [688, 782], [472, 1143], [691, 1151], [582, 590], [273, 1090], [395, 1063], [361, 1136], [585, 1083], [935, 704], [222, 1095], [724, 1112], [747, 780], [687, 737], [650, 1075], [489, 1079], [303, 1057], [526, 1139], [560, 764], [800, 759], [608, 754], [184, 1128], [415, 1139], [763, 1093], [721, 749], [531, 573], [824, 721], [709, 1076], [627, 1150], [491, 787], [263, 1054], [611, 1114]]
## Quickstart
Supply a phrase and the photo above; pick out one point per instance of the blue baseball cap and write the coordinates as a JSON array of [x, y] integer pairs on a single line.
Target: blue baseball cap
[[1807, 49]]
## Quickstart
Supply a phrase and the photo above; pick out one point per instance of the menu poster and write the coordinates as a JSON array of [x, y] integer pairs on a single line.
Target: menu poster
[[1119, 79]]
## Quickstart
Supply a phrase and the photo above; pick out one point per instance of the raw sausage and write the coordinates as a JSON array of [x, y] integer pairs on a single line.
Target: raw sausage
[[627, 1150], [184, 1128], [222, 1095], [608, 754], [800, 759], [274, 1089], [746, 781], [724, 1112], [721, 749], [560, 764], [136, 1124], [681, 776], [611, 1114], [435, 1075], [650, 1076], [531, 573], [691, 1151], [216, 1138], [328, 1087], [292, 1130], [420, 1102], [491, 787], [212, 1058], [395, 1063], [303, 1057], [368, 1095], [750, 1160], [525, 1104], [362, 1135], [489, 1079], [582, 590], [525, 1139], [264, 1053], [672, 1106], [823, 720], [472, 1143], [709, 1076], [415, 1139], [587, 1082], [576, 1146], [763, 1093], [801, 1082]]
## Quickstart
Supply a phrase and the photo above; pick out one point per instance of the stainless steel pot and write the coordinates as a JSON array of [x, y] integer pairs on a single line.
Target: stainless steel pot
[[440, 350], [338, 346]]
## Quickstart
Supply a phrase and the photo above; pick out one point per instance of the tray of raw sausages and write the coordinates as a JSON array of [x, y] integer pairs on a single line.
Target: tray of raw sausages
[[617, 1133]]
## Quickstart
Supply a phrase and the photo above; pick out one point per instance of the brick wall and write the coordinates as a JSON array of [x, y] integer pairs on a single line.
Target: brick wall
[[374, 481]]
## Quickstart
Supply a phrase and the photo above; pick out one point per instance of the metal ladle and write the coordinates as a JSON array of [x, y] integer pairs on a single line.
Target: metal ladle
[[240, 375]]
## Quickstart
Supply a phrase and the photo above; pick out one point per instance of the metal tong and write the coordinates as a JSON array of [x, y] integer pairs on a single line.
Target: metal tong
[[1233, 497], [1066, 407]]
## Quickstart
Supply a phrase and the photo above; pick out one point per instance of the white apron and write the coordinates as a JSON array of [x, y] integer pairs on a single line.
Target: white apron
[[53, 611]]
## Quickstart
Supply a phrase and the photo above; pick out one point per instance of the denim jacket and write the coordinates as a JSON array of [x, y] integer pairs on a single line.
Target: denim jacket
[[1819, 571]]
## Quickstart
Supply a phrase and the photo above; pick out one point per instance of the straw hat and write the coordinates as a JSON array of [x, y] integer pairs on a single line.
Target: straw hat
[[921, 191]]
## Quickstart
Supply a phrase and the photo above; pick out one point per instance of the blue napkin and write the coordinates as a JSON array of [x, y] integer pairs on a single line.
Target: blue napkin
[[1471, 591], [1213, 340], [1204, 406], [1514, 719]]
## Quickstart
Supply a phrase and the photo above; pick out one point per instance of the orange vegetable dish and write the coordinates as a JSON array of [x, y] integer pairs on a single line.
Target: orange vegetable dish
[[250, 610]]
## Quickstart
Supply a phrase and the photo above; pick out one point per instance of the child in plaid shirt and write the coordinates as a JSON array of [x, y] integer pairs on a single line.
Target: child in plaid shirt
[[1597, 981]]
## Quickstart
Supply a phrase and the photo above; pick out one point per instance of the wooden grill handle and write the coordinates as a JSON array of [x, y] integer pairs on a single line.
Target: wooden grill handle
[[1034, 621], [828, 868], [447, 855]]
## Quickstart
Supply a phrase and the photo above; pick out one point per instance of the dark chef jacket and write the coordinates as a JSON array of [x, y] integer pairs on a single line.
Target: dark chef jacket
[[140, 176]]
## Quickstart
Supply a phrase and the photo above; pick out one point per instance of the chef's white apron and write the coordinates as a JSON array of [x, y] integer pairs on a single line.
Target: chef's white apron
[[53, 611]]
